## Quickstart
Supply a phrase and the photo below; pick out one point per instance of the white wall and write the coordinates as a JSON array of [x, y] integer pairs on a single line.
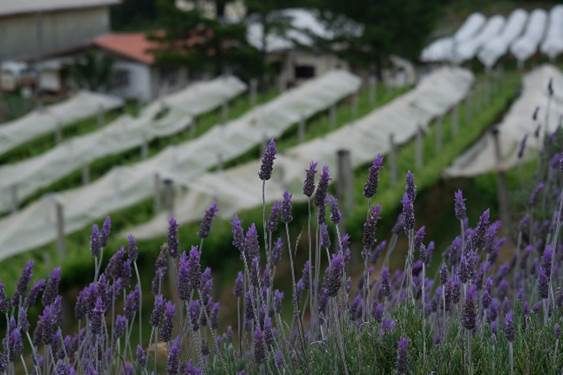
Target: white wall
[[31, 35], [139, 84]]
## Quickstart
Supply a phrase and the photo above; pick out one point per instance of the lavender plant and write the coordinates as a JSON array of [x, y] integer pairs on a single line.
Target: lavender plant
[[488, 308]]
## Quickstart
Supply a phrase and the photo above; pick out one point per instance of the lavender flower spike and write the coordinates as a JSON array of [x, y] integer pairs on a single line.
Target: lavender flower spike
[[322, 187], [407, 213], [286, 215], [509, 330], [210, 213], [459, 206], [309, 184], [370, 187], [172, 238], [402, 351], [95, 241], [333, 277], [268, 158], [52, 287]]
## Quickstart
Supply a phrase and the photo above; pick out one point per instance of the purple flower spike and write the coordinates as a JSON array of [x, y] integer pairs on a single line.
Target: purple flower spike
[[132, 249], [268, 158], [277, 251], [173, 362], [459, 206], [132, 303], [369, 241], [509, 330], [469, 313], [239, 285], [251, 244], [210, 213], [195, 312], [23, 282], [275, 216], [173, 238], [157, 311], [141, 356], [167, 321], [402, 351], [286, 215], [335, 215], [238, 233], [333, 277], [96, 317], [410, 188], [106, 230], [408, 213], [322, 188], [543, 283], [370, 187], [52, 287], [278, 297], [95, 241], [259, 346], [309, 184]]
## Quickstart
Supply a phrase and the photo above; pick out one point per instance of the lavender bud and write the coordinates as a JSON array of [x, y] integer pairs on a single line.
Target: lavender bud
[[402, 349], [309, 184], [333, 276], [370, 187], [268, 158], [335, 215], [322, 188], [205, 227], [469, 313], [259, 346], [276, 251], [132, 303], [141, 356], [96, 317], [172, 238], [275, 215], [167, 321], [4, 300], [239, 282], [173, 363], [369, 241], [251, 244], [238, 234], [286, 216], [95, 241], [23, 282], [278, 297], [324, 235], [195, 310], [52, 287], [459, 206], [132, 249], [120, 326], [543, 283], [407, 213], [509, 330]]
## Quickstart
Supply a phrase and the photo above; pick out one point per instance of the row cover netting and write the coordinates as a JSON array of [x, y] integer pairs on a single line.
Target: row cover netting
[[125, 186], [55, 117], [522, 34], [517, 124], [434, 96], [164, 117]]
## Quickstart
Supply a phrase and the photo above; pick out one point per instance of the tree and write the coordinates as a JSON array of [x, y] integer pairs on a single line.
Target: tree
[[204, 44], [133, 14], [92, 71], [386, 27]]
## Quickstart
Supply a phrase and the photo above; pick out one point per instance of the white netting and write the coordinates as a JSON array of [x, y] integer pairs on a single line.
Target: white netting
[[468, 49], [496, 47], [239, 188], [516, 124], [35, 225], [528, 43], [164, 117], [553, 42], [58, 116], [442, 49]]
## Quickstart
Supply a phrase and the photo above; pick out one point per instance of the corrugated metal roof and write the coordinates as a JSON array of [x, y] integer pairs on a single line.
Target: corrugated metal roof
[[12, 7]]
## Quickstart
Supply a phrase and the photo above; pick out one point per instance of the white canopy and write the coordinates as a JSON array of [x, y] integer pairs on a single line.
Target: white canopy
[[468, 49], [553, 42], [496, 47], [516, 124], [528, 43], [434, 96], [35, 225], [162, 118], [49, 119]]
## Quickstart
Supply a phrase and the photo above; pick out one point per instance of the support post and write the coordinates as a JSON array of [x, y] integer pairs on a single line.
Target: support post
[[86, 174], [301, 129], [225, 111], [468, 108], [354, 105], [502, 190], [345, 181], [372, 82], [332, 116], [60, 228], [440, 134], [14, 196], [455, 119], [157, 193], [393, 159], [419, 148], [101, 117], [144, 148], [253, 92], [58, 133]]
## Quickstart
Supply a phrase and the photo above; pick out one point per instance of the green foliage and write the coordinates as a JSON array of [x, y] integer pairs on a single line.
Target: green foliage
[[92, 71]]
